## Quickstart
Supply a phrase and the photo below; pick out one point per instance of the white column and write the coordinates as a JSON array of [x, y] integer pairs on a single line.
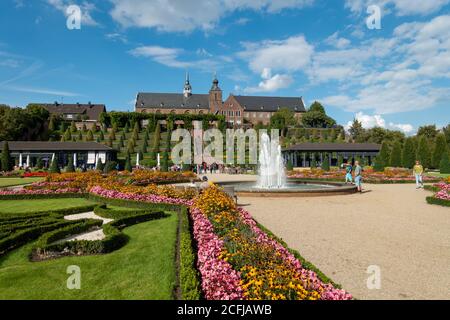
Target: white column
[[137, 159], [75, 160], [28, 161], [20, 159]]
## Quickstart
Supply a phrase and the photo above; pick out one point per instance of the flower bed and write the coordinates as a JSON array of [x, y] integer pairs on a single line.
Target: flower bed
[[35, 174], [442, 195], [390, 175], [268, 271]]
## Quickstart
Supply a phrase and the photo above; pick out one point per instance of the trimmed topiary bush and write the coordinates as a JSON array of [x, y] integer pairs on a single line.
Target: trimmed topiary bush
[[445, 162]]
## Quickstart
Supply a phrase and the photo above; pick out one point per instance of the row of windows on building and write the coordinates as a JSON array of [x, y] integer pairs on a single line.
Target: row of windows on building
[[231, 113]]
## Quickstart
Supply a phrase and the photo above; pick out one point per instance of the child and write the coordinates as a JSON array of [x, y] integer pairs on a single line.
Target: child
[[348, 175], [418, 172]]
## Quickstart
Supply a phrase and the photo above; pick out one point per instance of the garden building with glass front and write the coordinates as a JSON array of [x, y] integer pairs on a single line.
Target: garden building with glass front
[[304, 154], [25, 154]]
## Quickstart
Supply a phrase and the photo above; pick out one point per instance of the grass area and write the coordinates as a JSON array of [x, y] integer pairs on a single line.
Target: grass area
[[142, 269], [438, 175], [23, 206], [11, 182]]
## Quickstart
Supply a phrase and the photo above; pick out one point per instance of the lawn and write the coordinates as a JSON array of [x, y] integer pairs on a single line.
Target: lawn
[[11, 182], [143, 269], [438, 175], [22, 206]]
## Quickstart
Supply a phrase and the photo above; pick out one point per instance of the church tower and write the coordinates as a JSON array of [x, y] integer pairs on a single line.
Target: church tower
[[215, 96], [187, 92]]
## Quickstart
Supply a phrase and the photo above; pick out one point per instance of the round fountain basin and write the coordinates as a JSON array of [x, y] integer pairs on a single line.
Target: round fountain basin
[[292, 188]]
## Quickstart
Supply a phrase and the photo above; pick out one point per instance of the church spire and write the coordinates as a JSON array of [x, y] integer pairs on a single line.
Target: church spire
[[187, 92], [215, 83]]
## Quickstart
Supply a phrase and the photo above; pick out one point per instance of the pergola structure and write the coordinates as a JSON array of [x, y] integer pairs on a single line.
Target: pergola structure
[[84, 154], [302, 155]]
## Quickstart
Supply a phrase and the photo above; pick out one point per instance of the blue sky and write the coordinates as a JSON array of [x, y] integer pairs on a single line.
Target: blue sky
[[397, 77]]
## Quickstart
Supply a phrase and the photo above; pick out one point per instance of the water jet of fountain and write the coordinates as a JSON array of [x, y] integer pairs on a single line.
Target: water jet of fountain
[[271, 166]]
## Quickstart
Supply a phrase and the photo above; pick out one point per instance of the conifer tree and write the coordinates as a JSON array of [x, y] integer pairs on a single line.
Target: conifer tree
[[423, 152], [440, 146], [6, 158], [408, 154], [396, 155]]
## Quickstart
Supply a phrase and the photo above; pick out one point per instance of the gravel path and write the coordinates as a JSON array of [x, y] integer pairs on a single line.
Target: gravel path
[[390, 226], [92, 235]]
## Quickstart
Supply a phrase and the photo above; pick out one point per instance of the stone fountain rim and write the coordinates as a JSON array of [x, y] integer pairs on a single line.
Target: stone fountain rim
[[339, 189]]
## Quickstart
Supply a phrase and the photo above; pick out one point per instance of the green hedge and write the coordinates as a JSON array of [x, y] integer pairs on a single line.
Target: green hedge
[[440, 202], [41, 196], [189, 279], [58, 212], [104, 212], [20, 238], [134, 204], [114, 239]]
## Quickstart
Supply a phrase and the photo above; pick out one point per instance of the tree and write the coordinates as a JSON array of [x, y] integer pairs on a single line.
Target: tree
[[6, 158], [128, 166], [445, 163], [326, 163], [51, 124], [39, 163], [165, 162], [313, 161], [110, 142], [84, 128], [396, 155], [408, 154], [383, 158], [423, 152], [80, 136], [156, 141], [316, 117], [99, 166], [356, 131], [112, 135], [101, 136], [68, 135], [430, 132], [446, 131], [54, 168], [70, 167], [126, 128], [73, 127], [282, 119], [90, 136], [440, 146]]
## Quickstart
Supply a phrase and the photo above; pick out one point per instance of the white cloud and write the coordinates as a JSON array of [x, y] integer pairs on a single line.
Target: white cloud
[[292, 54], [338, 42], [51, 92], [368, 121], [185, 16], [390, 75], [86, 10], [401, 7], [165, 56], [271, 83], [179, 58]]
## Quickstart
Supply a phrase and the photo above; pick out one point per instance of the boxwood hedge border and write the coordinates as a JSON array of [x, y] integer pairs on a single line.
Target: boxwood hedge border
[[437, 201]]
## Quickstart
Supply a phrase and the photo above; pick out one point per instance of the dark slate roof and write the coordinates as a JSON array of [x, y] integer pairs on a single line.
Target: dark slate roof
[[54, 146], [270, 104], [93, 111], [172, 101], [333, 147]]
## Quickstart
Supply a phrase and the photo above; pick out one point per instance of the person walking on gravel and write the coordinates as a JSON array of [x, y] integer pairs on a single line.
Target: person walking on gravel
[[358, 176], [348, 173], [418, 173]]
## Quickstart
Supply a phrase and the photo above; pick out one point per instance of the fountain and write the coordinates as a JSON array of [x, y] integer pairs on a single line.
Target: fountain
[[272, 180], [271, 166]]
